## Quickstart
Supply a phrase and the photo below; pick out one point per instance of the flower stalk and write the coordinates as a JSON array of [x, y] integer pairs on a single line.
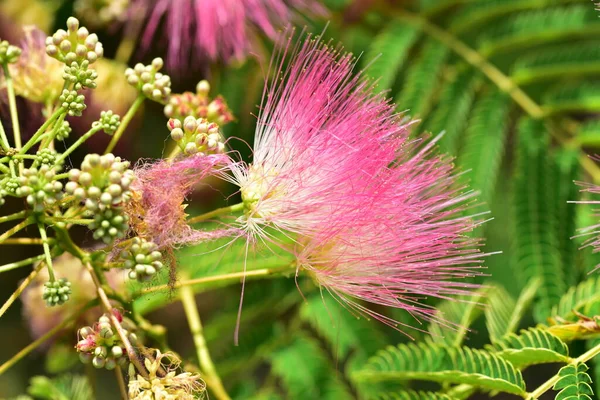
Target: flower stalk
[[186, 295], [12, 104], [216, 213], [125, 122]]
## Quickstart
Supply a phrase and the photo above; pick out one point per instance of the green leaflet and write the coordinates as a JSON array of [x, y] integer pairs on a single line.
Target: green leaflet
[[572, 97], [344, 331], [579, 298], [443, 364], [535, 242], [421, 80], [305, 371], [557, 62], [459, 315], [478, 13], [388, 52], [452, 111], [529, 28], [484, 142], [588, 133], [63, 387], [574, 383], [211, 258], [413, 395], [503, 313], [531, 346]]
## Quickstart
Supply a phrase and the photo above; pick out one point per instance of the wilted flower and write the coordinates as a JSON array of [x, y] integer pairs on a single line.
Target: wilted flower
[[218, 29], [172, 386], [36, 76], [375, 216], [157, 212], [41, 318]]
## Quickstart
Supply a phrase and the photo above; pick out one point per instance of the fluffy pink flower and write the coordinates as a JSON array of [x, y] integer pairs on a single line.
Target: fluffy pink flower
[[217, 29], [157, 211], [375, 216]]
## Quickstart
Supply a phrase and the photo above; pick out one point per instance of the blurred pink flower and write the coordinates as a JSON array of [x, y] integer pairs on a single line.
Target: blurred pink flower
[[157, 211], [375, 215], [218, 30]]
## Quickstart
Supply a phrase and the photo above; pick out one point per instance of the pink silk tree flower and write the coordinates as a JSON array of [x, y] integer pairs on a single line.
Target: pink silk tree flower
[[374, 214], [218, 30], [157, 211]]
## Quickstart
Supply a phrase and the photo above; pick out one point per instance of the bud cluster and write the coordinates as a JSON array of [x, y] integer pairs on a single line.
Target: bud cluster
[[196, 136], [63, 131], [72, 102], [199, 105], [8, 53], [146, 79], [108, 121], [56, 293], [101, 345], [143, 259], [39, 186], [77, 48], [46, 156], [103, 183]]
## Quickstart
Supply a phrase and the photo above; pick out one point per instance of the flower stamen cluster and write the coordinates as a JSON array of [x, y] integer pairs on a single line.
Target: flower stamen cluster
[[172, 386]]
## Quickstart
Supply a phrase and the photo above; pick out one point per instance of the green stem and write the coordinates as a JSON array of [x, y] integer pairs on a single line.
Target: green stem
[[206, 364], [36, 136], [47, 253], [76, 221], [22, 263], [223, 277], [124, 122], [10, 217], [78, 143], [173, 153], [544, 387], [15, 229], [105, 302], [66, 322], [21, 287], [216, 213], [12, 104], [121, 382], [4, 168], [3, 138], [25, 241], [47, 141]]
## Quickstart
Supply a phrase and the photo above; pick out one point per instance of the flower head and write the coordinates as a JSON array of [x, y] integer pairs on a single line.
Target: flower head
[[375, 215], [172, 386], [157, 211], [36, 76], [218, 29]]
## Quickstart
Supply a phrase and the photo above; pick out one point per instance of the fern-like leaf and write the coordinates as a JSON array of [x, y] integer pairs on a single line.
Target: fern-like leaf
[[557, 62], [452, 111], [531, 346], [540, 26], [485, 140], [63, 387], [574, 383], [503, 313], [413, 395], [580, 298], [460, 315], [574, 97], [388, 52], [536, 245], [343, 331], [444, 364], [421, 80]]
